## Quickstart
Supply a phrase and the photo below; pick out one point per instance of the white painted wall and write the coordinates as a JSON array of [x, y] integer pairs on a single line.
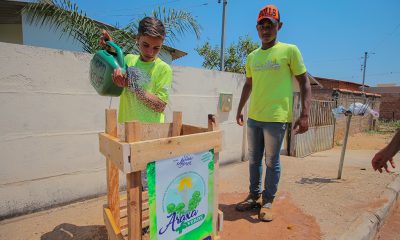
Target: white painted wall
[[195, 93], [50, 117]]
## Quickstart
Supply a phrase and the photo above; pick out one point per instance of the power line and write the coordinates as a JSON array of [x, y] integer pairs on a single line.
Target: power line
[[145, 6], [138, 14], [334, 60], [386, 38], [371, 75]]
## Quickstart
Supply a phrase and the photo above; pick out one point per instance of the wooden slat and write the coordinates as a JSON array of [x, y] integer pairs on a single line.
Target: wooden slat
[[189, 129], [220, 220], [213, 126], [124, 219], [151, 131], [153, 150], [177, 124], [112, 170], [134, 187], [123, 212], [115, 150], [124, 229], [123, 199], [114, 232]]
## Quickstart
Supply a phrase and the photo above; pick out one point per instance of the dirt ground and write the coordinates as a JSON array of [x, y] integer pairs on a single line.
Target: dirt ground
[[390, 229], [290, 221], [372, 141]]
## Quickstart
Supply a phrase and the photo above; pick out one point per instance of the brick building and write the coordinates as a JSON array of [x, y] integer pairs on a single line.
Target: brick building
[[345, 93], [390, 101]]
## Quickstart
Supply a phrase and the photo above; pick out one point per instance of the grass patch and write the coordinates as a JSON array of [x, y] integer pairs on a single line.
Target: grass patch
[[384, 127], [388, 126]]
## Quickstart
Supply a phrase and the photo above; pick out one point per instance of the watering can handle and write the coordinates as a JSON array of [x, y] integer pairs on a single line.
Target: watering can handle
[[120, 54]]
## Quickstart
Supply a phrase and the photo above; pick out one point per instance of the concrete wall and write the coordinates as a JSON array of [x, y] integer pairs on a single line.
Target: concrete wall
[[11, 33], [51, 116]]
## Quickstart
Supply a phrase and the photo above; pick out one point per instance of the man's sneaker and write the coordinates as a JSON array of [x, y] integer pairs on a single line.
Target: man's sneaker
[[265, 214], [249, 203]]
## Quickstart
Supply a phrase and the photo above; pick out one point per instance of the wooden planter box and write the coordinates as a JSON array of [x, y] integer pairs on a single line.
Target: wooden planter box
[[126, 215]]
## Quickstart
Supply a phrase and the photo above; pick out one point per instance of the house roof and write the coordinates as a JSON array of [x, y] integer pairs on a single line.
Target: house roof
[[10, 13], [336, 80], [314, 81], [357, 92]]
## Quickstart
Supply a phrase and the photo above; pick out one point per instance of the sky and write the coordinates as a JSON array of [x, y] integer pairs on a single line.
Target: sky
[[332, 35]]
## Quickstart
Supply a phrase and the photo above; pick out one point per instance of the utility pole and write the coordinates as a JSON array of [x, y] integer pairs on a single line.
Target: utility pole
[[224, 3], [364, 67]]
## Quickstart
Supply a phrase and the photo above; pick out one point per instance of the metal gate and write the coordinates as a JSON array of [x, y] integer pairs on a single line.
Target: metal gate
[[321, 129]]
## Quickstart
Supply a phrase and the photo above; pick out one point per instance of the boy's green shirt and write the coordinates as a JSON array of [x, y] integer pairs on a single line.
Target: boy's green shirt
[[156, 79], [271, 70]]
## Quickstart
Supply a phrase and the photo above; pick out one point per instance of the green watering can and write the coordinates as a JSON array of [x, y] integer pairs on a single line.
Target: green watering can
[[102, 66]]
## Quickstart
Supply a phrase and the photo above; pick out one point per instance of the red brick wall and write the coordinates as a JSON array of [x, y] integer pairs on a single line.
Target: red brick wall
[[390, 102], [390, 106], [321, 94]]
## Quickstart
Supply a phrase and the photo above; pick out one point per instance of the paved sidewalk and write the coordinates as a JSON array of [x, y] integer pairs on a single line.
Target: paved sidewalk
[[350, 208]]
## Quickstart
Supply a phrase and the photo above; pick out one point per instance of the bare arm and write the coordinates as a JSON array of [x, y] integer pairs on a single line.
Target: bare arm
[[386, 154], [246, 91], [301, 124]]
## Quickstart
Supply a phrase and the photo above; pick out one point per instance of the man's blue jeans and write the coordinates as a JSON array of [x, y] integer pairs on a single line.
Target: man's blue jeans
[[265, 138]]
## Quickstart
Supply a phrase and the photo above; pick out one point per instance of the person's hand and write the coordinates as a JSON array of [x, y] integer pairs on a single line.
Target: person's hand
[[118, 78], [301, 125], [239, 118], [380, 161], [105, 36]]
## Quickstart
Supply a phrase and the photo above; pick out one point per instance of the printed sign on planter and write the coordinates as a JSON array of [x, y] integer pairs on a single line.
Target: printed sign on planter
[[181, 197]]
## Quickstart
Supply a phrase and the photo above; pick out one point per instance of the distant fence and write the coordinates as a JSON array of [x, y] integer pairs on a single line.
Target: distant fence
[[320, 134]]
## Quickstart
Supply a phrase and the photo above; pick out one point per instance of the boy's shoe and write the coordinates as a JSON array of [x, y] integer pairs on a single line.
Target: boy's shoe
[[265, 214], [249, 203]]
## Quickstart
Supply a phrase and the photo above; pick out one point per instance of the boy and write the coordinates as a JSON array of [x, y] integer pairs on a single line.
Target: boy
[[146, 100], [269, 71]]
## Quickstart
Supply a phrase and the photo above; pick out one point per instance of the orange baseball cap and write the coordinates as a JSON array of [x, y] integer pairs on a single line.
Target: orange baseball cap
[[270, 12]]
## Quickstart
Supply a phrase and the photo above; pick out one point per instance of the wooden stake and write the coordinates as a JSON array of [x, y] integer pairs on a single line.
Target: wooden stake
[[348, 115], [134, 187], [112, 170]]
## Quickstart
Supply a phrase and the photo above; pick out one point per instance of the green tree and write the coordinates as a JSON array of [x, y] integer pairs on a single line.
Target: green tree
[[235, 55], [66, 16]]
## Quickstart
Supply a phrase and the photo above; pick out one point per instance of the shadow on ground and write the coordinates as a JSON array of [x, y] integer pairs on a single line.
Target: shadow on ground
[[230, 213], [317, 180], [67, 231]]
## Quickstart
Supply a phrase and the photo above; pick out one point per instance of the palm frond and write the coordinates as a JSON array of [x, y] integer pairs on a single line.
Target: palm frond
[[68, 18], [65, 16], [177, 23]]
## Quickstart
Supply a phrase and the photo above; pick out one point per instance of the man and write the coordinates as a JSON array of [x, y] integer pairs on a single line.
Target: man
[[269, 71]]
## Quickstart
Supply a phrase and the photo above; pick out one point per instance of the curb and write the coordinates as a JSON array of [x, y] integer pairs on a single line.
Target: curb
[[366, 226]]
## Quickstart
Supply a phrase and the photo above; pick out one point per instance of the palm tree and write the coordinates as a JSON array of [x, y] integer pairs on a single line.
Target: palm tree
[[66, 16]]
